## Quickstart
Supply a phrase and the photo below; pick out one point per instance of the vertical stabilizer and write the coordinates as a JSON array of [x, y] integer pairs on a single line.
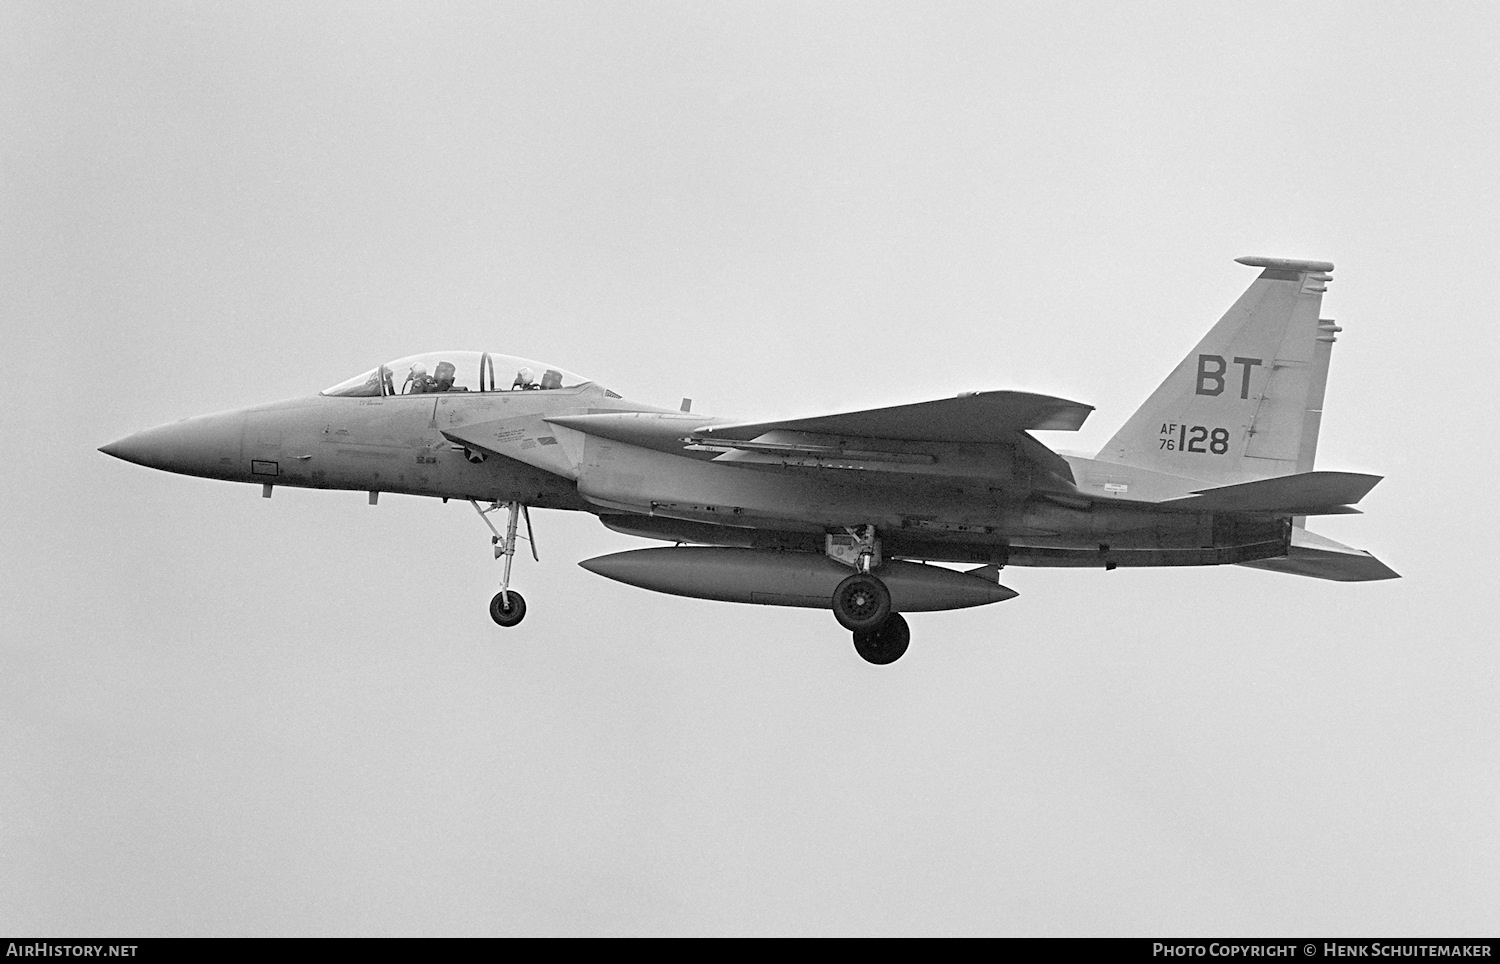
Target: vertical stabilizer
[[1247, 402]]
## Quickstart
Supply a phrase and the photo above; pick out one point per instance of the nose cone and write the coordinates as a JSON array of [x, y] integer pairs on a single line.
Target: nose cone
[[135, 448], [208, 445]]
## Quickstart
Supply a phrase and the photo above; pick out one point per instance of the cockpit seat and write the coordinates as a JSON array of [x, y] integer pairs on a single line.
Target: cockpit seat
[[442, 377]]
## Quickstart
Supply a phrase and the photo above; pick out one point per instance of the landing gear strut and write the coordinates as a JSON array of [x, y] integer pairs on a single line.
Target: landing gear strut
[[862, 603], [508, 607]]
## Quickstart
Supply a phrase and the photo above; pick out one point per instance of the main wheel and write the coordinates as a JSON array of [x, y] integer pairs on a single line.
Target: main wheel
[[507, 615], [886, 643], [861, 602]]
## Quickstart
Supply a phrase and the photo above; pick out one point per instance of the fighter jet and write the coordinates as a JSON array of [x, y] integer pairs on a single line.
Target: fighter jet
[[864, 513]]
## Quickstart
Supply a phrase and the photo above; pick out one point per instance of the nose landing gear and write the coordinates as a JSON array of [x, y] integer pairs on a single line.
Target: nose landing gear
[[507, 611], [508, 607]]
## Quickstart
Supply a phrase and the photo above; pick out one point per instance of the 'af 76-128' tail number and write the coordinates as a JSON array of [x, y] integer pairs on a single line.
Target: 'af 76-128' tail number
[[1194, 438]]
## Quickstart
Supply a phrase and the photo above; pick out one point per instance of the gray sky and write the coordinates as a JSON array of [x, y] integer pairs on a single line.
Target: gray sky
[[226, 715]]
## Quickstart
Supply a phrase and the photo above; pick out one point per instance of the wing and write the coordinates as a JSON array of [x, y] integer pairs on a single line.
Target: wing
[[977, 435], [971, 417]]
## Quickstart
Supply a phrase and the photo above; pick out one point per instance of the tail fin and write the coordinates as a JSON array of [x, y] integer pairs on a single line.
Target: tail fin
[[1247, 402]]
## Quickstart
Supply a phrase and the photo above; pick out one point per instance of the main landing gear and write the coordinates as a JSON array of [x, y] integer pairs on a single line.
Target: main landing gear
[[508, 607], [885, 643], [862, 603]]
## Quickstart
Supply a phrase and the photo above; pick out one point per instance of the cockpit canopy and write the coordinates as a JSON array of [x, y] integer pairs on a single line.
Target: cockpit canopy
[[456, 371]]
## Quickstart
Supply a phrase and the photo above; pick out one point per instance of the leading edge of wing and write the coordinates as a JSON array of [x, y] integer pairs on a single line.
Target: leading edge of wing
[[971, 417]]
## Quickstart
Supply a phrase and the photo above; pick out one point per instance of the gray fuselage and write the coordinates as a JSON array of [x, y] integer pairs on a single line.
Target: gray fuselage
[[964, 504]]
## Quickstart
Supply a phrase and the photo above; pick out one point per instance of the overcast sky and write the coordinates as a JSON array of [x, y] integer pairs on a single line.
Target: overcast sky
[[226, 715]]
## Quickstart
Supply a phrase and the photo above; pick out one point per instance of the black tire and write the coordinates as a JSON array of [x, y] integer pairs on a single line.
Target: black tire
[[886, 643], [861, 603], [504, 615]]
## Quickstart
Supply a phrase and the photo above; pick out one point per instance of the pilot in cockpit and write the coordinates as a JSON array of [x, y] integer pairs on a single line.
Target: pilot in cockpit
[[525, 379], [418, 381], [442, 377]]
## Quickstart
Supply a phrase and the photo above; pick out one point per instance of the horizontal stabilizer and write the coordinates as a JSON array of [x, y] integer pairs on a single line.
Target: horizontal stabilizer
[[1322, 558], [973, 417], [1306, 493]]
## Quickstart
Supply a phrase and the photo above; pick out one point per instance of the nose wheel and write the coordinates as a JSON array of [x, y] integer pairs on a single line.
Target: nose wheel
[[507, 611]]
